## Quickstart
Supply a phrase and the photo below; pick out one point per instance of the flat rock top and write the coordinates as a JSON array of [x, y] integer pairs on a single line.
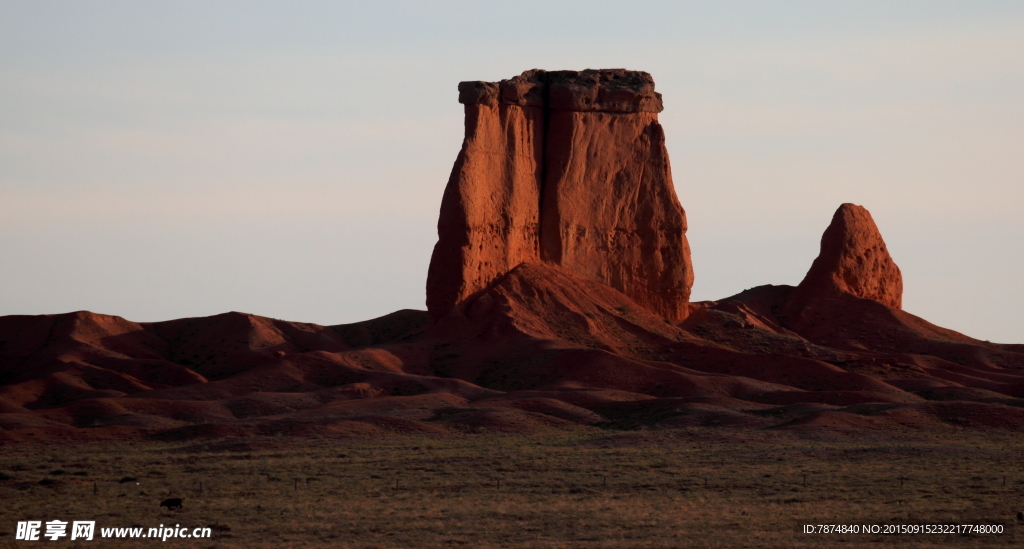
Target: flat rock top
[[590, 90]]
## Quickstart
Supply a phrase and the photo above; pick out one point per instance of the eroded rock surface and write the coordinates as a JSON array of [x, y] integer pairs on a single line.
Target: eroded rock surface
[[490, 209], [853, 260], [568, 168]]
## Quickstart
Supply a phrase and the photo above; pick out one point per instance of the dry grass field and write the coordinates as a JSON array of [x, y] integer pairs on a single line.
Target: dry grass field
[[666, 488]]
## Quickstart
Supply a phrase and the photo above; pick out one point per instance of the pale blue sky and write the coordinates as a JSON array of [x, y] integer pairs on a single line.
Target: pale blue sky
[[171, 159]]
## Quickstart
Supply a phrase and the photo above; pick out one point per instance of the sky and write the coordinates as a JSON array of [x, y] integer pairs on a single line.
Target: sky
[[162, 160]]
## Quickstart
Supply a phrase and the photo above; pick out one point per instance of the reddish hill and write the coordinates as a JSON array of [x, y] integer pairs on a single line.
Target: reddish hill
[[541, 349], [558, 295]]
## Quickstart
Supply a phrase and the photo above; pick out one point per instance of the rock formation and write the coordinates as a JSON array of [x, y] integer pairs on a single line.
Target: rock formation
[[490, 210], [561, 254], [568, 168], [853, 260]]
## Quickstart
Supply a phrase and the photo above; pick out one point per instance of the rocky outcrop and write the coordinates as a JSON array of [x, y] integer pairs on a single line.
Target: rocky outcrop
[[568, 168], [610, 212], [490, 211], [854, 261]]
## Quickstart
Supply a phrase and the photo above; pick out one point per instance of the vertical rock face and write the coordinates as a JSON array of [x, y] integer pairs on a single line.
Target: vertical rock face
[[853, 260], [609, 211], [569, 168], [490, 209]]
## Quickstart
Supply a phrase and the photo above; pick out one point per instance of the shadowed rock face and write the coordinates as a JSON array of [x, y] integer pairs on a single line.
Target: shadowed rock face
[[568, 168], [853, 260]]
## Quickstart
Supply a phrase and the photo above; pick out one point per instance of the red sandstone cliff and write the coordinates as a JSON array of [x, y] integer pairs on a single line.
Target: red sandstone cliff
[[490, 209], [569, 168]]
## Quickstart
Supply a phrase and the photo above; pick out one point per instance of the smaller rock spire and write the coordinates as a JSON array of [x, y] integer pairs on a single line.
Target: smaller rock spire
[[853, 260]]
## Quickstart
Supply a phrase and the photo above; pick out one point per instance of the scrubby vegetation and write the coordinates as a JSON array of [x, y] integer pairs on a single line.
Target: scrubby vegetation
[[693, 487]]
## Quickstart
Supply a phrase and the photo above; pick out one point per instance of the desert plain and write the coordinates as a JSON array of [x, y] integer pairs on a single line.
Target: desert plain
[[683, 487]]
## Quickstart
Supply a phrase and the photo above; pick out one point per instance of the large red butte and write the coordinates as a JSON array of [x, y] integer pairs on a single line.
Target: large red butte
[[567, 168]]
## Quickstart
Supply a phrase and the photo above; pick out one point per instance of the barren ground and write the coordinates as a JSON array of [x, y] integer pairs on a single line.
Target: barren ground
[[694, 487]]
